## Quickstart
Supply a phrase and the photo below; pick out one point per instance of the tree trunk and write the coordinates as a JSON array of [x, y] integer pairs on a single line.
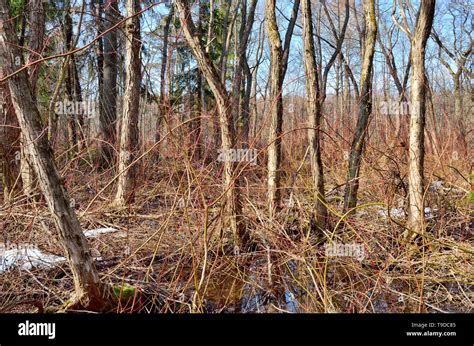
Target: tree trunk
[[246, 103], [278, 65], [233, 207], [35, 45], [129, 145], [241, 113], [71, 118], [457, 97], [164, 64], [89, 292], [276, 108], [365, 107], [108, 93], [417, 119], [9, 144], [314, 115]]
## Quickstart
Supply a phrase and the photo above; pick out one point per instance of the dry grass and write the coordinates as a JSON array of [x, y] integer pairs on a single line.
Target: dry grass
[[162, 250]]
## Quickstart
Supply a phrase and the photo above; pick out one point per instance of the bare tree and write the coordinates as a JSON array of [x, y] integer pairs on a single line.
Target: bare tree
[[233, 206], [89, 292], [365, 106], [164, 64], [9, 144], [241, 114], [278, 65], [129, 144], [418, 84], [454, 54], [109, 90], [316, 84], [73, 86], [35, 46], [314, 114]]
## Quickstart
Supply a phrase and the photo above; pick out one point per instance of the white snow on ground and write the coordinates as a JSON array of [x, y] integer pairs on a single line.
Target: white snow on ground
[[429, 213], [92, 233], [439, 185], [27, 257], [398, 213]]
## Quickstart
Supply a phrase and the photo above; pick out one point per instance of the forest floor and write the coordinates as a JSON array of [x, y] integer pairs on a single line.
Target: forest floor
[[159, 254]]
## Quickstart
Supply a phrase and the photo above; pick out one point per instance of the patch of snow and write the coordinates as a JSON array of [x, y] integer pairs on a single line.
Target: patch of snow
[[437, 185], [92, 233], [27, 257], [399, 213], [396, 213], [429, 213]]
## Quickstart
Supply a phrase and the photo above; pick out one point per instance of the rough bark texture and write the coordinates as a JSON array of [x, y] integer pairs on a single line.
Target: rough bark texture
[[314, 115], [9, 144], [108, 93], [35, 46], [417, 117], [233, 207], [88, 289], [276, 108], [73, 88], [365, 106], [129, 144], [278, 65]]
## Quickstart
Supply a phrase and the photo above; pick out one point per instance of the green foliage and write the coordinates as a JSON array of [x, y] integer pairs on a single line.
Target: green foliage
[[124, 292], [470, 197], [17, 8]]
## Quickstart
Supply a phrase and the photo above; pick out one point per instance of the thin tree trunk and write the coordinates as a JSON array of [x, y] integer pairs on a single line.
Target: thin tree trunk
[[457, 96], [108, 93], [164, 63], [418, 83], [276, 108], [233, 207], [96, 8], [253, 87], [70, 77], [129, 144], [241, 114], [9, 145], [365, 107], [35, 45], [89, 292], [278, 65], [314, 115]]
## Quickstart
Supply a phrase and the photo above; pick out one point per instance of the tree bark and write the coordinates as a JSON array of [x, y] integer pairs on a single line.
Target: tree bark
[[35, 46], [108, 93], [418, 85], [9, 145], [241, 114], [276, 108], [278, 65], [129, 144], [233, 206], [314, 115], [365, 107], [164, 63], [89, 292]]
